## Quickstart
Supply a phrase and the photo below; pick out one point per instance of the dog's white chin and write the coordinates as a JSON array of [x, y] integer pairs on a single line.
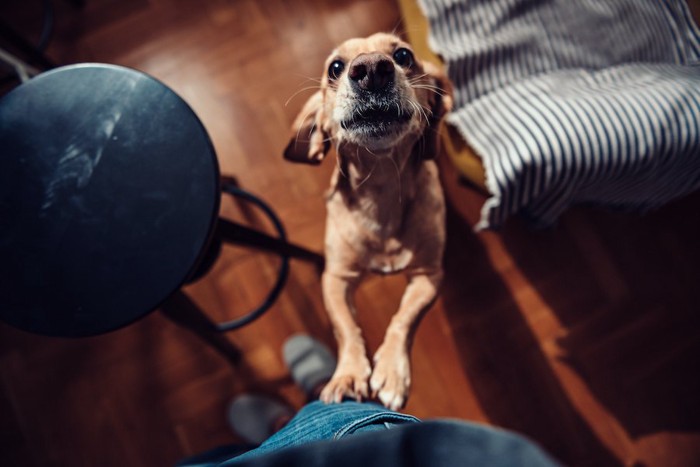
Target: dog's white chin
[[373, 142], [377, 144]]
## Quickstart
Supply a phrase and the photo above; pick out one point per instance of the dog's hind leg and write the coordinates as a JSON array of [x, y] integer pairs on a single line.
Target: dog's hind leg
[[391, 378]]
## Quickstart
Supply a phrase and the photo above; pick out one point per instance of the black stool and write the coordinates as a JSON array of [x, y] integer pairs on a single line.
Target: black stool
[[109, 199]]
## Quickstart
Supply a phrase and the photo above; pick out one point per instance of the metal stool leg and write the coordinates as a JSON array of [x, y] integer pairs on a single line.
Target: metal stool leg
[[236, 233], [181, 310]]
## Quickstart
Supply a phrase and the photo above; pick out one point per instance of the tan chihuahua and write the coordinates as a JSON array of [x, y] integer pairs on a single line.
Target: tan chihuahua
[[380, 108]]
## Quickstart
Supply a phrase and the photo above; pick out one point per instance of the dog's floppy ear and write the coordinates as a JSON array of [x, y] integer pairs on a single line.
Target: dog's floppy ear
[[308, 142], [440, 101]]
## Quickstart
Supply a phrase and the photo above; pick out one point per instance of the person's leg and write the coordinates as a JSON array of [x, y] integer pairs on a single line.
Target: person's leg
[[255, 417], [215, 457], [318, 421], [311, 365]]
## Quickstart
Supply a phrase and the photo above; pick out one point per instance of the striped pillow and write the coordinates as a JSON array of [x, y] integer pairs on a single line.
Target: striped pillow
[[594, 101]]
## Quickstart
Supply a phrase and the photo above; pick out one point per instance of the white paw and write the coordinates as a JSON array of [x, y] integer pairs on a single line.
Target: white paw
[[348, 381], [391, 378]]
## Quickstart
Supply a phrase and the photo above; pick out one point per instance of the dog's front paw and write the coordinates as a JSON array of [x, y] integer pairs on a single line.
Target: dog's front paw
[[391, 378], [348, 381]]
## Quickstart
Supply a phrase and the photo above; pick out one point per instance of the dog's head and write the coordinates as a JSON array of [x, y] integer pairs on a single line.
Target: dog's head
[[375, 95]]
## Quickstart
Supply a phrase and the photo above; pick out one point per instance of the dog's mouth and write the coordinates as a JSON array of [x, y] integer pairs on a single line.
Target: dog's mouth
[[377, 121]]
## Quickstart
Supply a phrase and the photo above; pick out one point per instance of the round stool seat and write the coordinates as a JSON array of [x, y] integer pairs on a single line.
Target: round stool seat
[[109, 193]]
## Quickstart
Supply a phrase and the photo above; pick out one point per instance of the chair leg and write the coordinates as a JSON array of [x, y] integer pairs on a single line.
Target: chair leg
[[34, 55], [236, 233], [181, 310]]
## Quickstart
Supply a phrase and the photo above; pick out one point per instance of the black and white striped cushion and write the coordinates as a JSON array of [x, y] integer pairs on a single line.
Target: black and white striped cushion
[[586, 101]]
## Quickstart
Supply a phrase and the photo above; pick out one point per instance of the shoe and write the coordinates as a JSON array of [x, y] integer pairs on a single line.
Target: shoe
[[309, 362], [255, 417]]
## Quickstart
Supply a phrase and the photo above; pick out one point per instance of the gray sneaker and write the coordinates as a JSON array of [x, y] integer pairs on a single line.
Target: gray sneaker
[[309, 361], [255, 417]]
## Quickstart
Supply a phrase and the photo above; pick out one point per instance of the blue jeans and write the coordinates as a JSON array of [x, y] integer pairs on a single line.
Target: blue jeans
[[395, 436], [318, 421], [314, 422]]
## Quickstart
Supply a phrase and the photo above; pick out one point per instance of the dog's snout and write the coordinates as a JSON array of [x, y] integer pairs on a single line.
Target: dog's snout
[[371, 72]]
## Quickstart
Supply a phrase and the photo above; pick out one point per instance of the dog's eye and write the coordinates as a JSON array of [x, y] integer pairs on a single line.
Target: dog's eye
[[403, 57], [336, 69]]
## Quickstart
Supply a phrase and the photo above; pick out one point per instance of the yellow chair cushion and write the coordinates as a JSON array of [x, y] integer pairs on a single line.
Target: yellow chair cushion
[[462, 156]]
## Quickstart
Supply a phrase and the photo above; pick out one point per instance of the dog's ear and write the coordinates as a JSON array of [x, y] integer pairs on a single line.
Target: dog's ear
[[440, 102], [308, 142]]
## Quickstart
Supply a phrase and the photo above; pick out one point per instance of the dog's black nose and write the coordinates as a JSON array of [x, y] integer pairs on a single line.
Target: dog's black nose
[[371, 72]]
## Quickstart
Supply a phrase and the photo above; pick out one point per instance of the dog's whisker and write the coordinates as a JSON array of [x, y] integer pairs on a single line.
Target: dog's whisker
[[436, 89], [413, 106], [415, 79], [418, 82], [338, 164], [430, 87], [398, 176], [311, 129], [370, 151], [427, 110], [300, 91], [396, 27], [305, 76], [420, 110], [362, 182]]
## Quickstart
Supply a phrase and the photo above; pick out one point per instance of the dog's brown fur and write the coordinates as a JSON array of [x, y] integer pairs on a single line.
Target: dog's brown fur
[[385, 206]]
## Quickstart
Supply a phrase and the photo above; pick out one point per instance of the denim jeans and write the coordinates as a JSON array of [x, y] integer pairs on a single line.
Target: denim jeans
[[318, 421], [383, 438], [314, 422]]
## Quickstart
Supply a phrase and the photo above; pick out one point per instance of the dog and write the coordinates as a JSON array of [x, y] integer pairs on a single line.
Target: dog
[[380, 108]]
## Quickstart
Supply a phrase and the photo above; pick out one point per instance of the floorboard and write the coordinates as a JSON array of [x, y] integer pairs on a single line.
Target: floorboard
[[584, 336]]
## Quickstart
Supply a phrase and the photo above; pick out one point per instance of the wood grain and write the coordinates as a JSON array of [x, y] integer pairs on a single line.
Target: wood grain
[[584, 336]]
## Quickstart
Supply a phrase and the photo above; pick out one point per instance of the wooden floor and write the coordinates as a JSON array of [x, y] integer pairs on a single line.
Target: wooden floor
[[584, 337]]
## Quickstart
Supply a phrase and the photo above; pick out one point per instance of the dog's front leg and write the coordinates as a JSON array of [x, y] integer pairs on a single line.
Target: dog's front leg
[[353, 370], [391, 378]]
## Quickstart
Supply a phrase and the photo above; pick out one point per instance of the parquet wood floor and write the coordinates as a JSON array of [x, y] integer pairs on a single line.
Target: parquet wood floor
[[584, 337]]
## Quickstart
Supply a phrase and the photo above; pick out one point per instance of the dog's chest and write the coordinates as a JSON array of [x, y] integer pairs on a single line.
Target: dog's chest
[[393, 259]]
